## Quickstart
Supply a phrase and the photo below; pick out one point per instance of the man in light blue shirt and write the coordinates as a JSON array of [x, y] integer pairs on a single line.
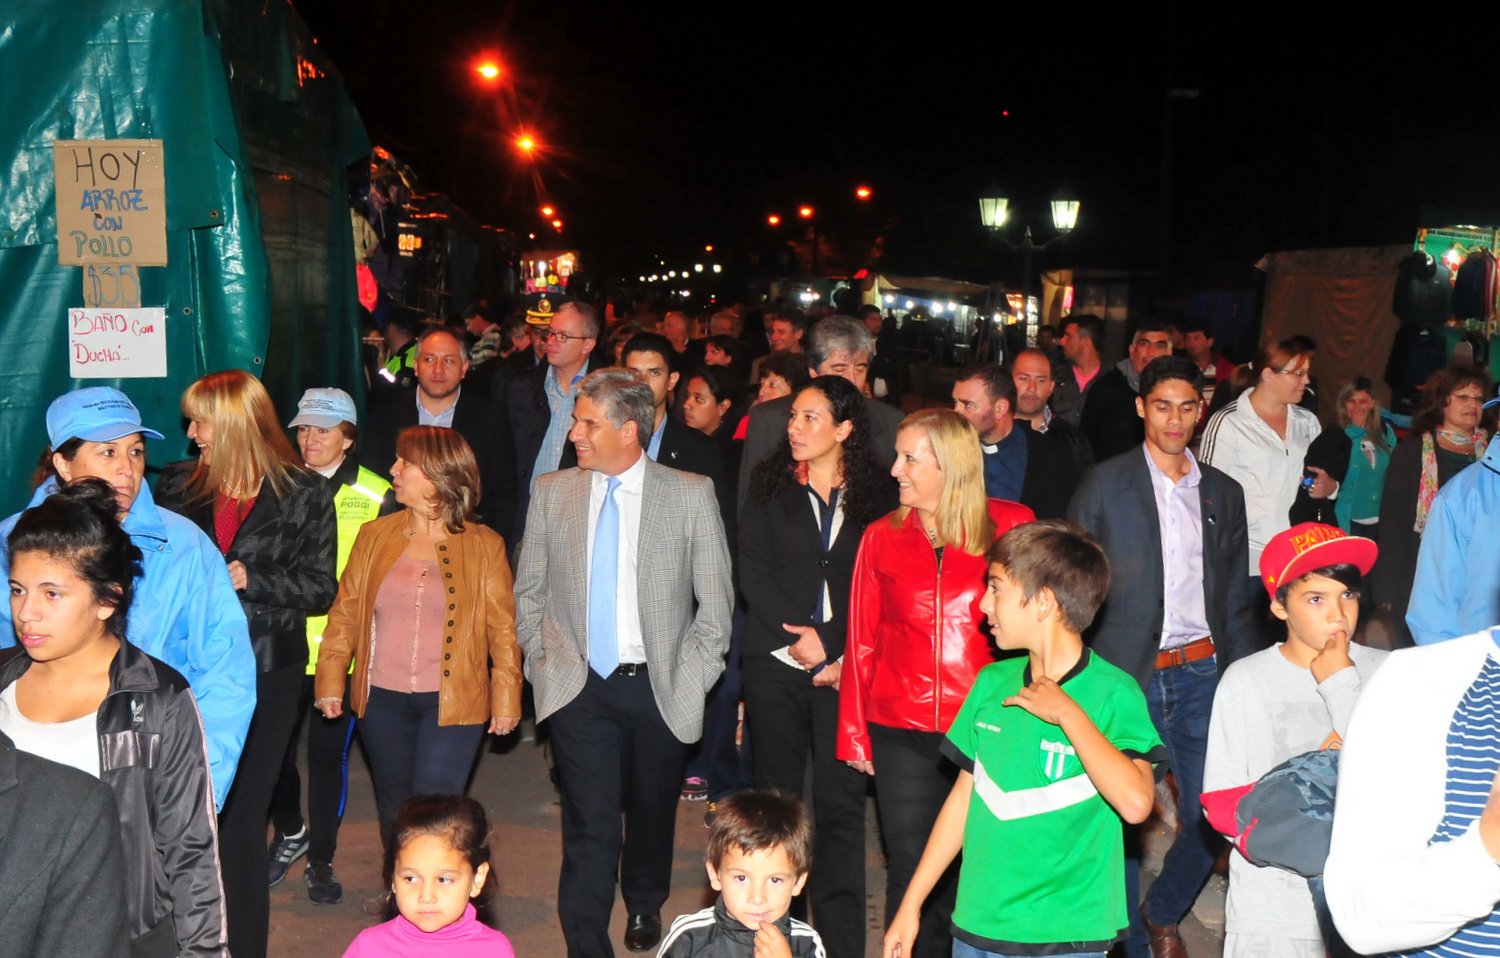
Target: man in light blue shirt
[[539, 401], [442, 364]]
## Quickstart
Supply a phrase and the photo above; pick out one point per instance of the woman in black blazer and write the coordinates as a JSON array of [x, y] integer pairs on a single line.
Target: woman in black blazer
[[806, 511], [274, 523]]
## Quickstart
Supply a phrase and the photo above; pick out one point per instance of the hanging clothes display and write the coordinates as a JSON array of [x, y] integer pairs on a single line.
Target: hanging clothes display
[[1424, 287], [1416, 354], [1475, 287]]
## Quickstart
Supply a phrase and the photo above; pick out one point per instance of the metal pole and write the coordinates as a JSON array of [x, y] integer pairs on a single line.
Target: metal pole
[[1027, 249]]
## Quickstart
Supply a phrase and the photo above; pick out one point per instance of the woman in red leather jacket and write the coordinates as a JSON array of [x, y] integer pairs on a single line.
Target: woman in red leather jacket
[[916, 641]]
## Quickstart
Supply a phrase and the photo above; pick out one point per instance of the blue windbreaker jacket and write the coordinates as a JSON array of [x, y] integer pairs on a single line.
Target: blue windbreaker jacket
[[185, 613]]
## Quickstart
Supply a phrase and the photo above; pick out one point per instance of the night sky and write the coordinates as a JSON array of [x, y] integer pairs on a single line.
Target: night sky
[[668, 127]]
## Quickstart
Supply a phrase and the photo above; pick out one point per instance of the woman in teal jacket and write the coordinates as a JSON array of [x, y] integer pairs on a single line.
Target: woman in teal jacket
[[1371, 439]]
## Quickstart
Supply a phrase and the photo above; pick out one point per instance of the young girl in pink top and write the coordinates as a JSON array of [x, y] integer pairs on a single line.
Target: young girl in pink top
[[442, 860]]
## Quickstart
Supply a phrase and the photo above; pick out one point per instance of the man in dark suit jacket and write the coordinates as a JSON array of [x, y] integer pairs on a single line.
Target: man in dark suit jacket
[[836, 346], [439, 400], [1109, 421], [716, 759], [1039, 470], [674, 443], [1177, 613], [527, 349], [539, 402]]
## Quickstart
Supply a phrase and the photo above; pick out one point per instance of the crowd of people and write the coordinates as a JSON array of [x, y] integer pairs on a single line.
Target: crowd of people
[[1009, 617]]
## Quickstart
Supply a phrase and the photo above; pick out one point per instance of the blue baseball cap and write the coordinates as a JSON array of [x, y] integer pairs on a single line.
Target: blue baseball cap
[[95, 414], [325, 408], [1493, 402]]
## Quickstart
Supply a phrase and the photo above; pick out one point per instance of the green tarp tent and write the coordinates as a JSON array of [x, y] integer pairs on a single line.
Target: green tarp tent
[[257, 134]]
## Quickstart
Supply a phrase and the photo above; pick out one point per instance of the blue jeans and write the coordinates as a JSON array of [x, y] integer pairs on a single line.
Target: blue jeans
[[1180, 700], [410, 753], [962, 949]]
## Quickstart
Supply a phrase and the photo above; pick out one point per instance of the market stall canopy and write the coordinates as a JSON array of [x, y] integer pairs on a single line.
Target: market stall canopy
[[1342, 299], [882, 283], [256, 133]]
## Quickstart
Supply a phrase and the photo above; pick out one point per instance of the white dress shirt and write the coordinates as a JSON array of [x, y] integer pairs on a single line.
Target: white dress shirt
[[627, 600], [1179, 514]]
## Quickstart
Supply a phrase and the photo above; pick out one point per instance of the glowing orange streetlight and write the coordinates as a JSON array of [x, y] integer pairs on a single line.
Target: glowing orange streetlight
[[557, 224], [806, 212], [773, 219], [548, 211], [863, 192], [526, 143], [488, 70], [709, 248]]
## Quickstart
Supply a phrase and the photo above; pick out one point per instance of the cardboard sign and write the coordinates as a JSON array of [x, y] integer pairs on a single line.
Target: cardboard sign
[[117, 343], [111, 287], [111, 202]]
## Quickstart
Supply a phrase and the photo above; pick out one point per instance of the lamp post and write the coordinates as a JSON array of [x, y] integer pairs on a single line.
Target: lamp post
[[807, 212], [994, 212]]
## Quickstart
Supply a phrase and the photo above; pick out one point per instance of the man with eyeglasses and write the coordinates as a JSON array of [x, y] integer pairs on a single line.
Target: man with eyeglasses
[[1457, 588], [438, 399], [539, 403]]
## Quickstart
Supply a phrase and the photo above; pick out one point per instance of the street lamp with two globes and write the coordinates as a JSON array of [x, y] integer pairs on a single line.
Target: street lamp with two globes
[[994, 212]]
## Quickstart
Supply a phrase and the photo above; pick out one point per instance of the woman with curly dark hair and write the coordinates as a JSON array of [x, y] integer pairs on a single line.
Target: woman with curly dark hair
[[808, 506], [1446, 437]]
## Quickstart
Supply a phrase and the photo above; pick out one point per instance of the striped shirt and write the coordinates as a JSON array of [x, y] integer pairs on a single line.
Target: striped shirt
[[1473, 759]]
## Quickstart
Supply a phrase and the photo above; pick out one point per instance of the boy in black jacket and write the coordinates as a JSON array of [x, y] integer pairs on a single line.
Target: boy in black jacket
[[759, 852]]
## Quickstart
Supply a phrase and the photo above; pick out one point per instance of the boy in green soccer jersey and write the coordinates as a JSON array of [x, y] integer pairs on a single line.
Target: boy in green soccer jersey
[[1055, 748]]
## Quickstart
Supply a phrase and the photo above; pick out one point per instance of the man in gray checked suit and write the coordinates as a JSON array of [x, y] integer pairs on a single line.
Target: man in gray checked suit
[[623, 604]]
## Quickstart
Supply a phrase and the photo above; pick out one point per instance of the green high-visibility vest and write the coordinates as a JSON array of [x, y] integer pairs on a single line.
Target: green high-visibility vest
[[353, 507]]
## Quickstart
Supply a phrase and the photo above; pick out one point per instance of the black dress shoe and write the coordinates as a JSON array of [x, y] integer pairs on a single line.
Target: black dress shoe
[[643, 932]]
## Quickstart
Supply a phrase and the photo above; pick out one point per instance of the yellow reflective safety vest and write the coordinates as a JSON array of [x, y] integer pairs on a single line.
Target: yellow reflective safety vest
[[354, 504]]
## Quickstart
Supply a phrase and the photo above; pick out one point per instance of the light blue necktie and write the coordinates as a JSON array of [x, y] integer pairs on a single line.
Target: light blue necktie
[[604, 574]]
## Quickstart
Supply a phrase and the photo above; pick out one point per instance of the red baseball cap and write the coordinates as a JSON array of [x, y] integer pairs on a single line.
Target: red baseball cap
[[1312, 545]]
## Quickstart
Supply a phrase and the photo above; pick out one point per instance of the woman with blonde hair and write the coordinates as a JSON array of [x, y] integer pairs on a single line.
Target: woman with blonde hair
[[916, 641], [273, 522], [426, 614], [1370, 441]]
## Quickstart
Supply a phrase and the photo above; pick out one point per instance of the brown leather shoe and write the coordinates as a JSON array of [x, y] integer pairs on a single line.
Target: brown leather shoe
[[1165, 941]]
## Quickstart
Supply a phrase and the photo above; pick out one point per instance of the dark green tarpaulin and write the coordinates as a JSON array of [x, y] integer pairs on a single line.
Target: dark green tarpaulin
[[257, 134]]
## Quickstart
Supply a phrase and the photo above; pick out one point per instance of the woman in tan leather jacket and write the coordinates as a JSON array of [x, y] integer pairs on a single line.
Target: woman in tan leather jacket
[[426, 612]]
